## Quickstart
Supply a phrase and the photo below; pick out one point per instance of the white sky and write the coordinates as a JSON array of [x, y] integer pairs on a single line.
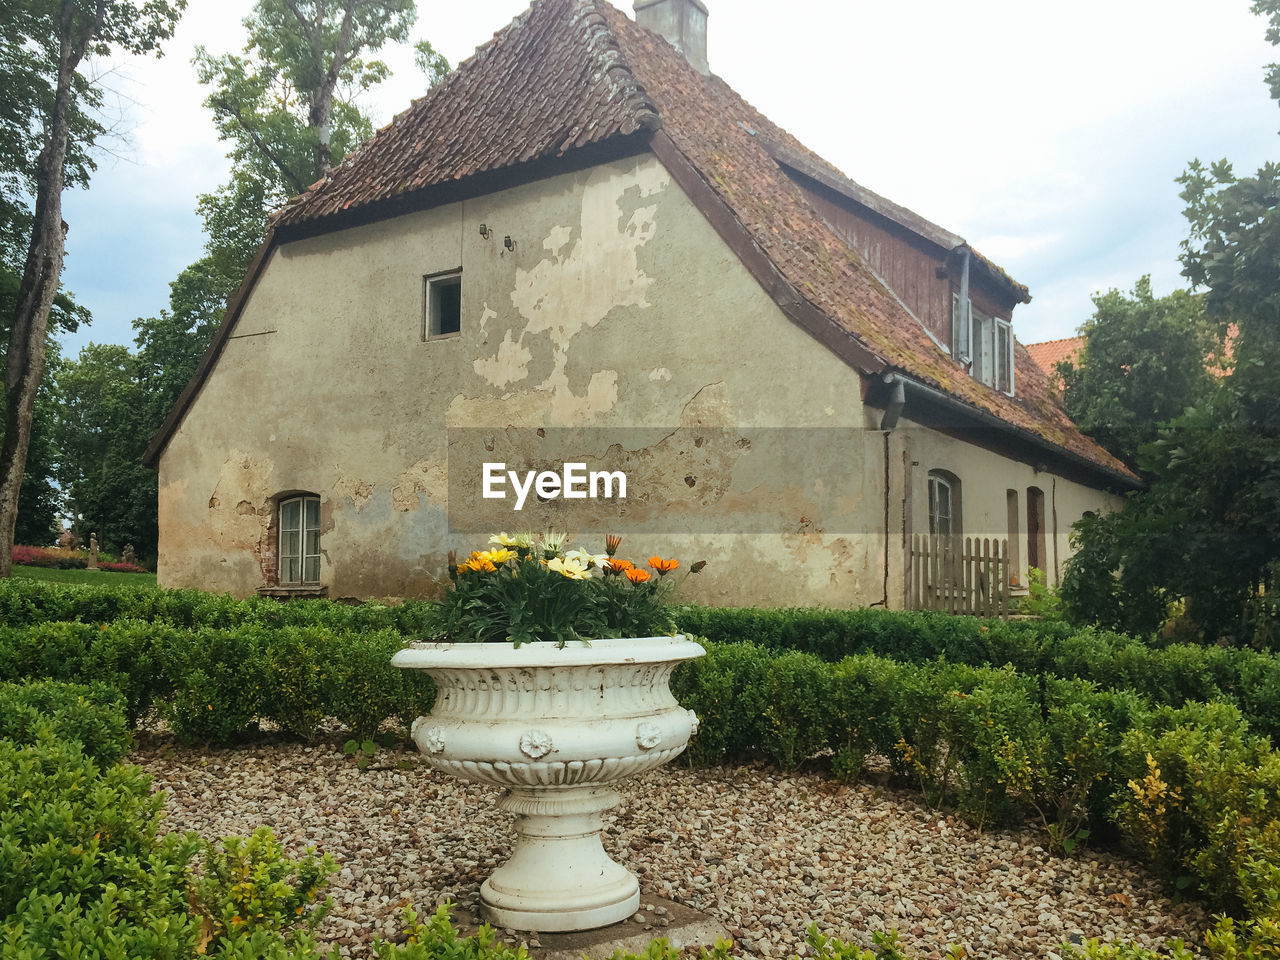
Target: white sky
[[1048, 135]]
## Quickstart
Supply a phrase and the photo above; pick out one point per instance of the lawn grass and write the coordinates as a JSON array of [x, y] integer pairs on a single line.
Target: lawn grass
[[95, 578]]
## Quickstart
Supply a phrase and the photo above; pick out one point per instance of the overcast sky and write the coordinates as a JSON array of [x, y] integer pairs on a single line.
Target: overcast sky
[[1048, 135]]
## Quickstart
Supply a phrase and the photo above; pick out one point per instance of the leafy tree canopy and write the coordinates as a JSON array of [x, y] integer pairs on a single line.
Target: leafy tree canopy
[[1143, 363], [1208, 527]]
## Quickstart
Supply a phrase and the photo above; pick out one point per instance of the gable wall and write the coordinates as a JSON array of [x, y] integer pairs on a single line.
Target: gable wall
[[619, 306]]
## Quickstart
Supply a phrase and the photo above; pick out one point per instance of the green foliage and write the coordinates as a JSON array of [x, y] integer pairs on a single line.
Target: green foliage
[[863, 719], [725, 690], [1170, 675], [247, 886], [1207, 529], [1093, 950], [1203, 800], [1143, 364], [81, 859], [102, 430], [1042, 599], [92, 715]]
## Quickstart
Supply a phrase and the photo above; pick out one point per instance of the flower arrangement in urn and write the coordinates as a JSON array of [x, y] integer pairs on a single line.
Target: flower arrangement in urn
[[527, 588], [522, 704]]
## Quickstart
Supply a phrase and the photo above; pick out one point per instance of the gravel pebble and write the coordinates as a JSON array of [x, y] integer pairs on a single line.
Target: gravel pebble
[[765, 853]]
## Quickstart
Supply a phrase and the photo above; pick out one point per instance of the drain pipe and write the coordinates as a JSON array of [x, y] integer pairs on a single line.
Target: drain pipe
[[892, 411], [960, 336]]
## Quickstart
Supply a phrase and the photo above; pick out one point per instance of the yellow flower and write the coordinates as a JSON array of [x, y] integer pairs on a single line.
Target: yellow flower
[[505, 540], [573, 569], [496, 557]]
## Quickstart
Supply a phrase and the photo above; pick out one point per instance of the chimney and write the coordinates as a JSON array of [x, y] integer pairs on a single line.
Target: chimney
[[683, 23]]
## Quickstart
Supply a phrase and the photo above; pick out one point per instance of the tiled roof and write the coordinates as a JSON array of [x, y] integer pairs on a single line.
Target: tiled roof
[[1049, 353], [553, 80], [570, 73]]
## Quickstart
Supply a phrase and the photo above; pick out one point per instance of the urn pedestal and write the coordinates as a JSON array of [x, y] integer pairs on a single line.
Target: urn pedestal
[[555, 727]]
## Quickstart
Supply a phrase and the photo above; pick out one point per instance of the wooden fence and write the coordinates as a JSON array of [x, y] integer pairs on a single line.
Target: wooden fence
[[959, 576]]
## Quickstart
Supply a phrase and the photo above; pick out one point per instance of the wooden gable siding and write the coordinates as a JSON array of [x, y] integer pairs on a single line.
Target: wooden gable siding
[[910, 271]]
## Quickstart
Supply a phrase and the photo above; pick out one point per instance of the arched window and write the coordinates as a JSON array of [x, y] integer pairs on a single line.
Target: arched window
[[299, 548], [944, 503]]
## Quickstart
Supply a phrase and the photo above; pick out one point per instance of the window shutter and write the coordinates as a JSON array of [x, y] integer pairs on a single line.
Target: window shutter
[[1004, 357]]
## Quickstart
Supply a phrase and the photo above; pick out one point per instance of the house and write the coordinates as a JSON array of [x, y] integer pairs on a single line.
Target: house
[[1049, 353], [583, 250]]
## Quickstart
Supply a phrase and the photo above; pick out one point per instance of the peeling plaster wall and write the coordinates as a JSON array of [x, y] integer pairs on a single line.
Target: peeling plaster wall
[[619, 306]]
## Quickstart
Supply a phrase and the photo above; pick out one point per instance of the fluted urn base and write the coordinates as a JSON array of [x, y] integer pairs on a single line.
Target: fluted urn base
[[555, 727], [559, 877]]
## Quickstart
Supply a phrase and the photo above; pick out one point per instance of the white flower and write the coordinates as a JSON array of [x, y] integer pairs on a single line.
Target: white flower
[[554, 542], [566, 567], [587, 559]]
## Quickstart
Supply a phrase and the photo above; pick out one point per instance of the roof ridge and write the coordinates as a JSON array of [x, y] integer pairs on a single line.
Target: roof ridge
[[1041, 343], [602, 42]]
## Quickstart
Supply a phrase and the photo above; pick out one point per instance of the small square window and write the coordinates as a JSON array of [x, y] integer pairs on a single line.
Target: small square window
[[443, 305]]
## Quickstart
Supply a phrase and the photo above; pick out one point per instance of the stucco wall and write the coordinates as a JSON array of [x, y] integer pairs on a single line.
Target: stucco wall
[[618, 306]]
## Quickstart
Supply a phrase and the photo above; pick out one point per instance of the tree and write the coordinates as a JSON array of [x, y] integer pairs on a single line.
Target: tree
[[44, 45], [1143, 364], [1207, 529], [101, 434]]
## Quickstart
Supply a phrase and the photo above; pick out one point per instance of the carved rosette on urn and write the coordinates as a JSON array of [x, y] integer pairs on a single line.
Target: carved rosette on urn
[[556, 727]]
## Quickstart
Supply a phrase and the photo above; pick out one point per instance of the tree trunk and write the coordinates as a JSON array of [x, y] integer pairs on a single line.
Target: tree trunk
[[321, 114], [40, 278]]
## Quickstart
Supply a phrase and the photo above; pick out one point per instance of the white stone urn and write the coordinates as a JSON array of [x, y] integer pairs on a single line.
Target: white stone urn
[[556, 727]]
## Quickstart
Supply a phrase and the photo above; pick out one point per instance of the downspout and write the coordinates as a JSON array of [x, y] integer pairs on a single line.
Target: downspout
[[892, 411], [1053, 502]]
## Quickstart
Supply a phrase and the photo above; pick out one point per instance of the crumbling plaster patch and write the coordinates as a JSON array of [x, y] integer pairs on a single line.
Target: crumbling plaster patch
[[590, 271], [426, 477]]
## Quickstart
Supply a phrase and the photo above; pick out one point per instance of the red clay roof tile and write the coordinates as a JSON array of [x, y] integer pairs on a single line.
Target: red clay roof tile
[[570, 73]]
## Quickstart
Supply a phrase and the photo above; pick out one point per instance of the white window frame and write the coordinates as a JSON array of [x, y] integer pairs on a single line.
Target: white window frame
[[938, 483], [307, 560], [981, 349], [432, 285]]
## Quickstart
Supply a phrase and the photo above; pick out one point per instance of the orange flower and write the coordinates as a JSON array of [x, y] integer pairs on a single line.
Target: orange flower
[[663, 566], [613, 565], [611, 543], [637, 576]]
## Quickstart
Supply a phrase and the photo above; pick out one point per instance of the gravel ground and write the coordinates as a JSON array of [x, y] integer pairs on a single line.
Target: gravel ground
[[765, 853]]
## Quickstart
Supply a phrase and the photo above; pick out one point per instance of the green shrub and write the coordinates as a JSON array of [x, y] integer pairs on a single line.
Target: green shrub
[[1167, 675], [1202, 801], [93, 716], [724, 689], [363, 689], [795, 700], [250, 886], [81, 861], [862, 721]]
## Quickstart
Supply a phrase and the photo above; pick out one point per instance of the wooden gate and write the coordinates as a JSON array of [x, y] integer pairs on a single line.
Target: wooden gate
[[968, 575]]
